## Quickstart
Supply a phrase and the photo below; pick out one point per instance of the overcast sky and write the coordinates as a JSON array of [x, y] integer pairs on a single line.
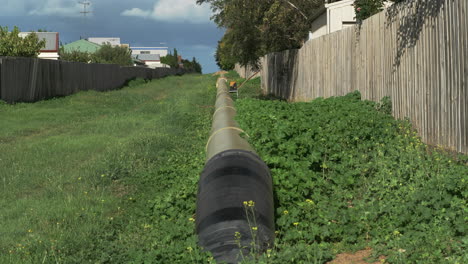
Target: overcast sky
[[177, 24]]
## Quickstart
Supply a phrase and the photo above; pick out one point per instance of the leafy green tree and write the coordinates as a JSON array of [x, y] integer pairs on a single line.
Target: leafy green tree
[[11, 44], [256, 28], [367, 8], [223, 56], [196, 65], [113, 55], [171, 59], [76, 56]]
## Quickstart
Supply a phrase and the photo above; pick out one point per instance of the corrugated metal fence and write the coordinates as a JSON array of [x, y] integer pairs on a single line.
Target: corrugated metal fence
[[31, 80], [415, 52]]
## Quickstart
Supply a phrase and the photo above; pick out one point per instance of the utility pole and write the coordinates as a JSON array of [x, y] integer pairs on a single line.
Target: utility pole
[[85, 12], [85, 5]]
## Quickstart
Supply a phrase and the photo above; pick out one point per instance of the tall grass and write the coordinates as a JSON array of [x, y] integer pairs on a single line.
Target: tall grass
[[88, 178]]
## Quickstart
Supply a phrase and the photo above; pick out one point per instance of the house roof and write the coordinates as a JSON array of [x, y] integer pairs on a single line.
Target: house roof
[[147, 57], [82, 45], [51, 40]]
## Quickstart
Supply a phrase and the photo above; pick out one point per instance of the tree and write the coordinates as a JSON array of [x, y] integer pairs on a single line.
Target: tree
[[367, 8], [11, 44], [113, 55], [76, 56], [224, 54], [255, 28], [196, 65], [106, 55], [171, 60]]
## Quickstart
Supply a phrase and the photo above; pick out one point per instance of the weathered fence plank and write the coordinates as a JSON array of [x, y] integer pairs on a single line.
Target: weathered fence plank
[[415, 52], [31, 79]]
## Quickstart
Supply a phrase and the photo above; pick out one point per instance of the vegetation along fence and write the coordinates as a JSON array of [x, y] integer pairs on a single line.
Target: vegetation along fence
[[246, 72], [31, 79], [415, 52]]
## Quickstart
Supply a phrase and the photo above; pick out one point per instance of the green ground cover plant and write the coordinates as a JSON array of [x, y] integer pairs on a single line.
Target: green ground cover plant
[[348, 176], [106, 177]]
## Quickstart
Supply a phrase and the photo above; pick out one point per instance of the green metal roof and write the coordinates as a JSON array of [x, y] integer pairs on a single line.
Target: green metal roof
[[82, 45]]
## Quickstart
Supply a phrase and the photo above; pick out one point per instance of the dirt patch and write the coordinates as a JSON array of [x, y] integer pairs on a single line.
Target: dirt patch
[[120, 190], [357, 257]]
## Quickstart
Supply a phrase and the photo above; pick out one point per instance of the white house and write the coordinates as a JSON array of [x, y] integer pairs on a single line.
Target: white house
[[151, 60], [51, 49], [336, 15], [161, 51]]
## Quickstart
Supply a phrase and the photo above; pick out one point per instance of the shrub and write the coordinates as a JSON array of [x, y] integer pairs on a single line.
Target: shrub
[[11, 44]]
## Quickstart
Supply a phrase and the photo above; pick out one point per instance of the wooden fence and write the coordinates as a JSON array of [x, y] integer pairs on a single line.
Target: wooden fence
[[415, 52], [31, 80], [245, 72]]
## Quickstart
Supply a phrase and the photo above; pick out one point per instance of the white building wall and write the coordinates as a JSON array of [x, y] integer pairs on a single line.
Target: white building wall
[[319, 26], [50, 51], [49, 55], [154, 64], [162, 51], [340, 15]]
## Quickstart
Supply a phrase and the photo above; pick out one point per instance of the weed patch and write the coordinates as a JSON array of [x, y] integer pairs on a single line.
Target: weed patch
[[348, 176]]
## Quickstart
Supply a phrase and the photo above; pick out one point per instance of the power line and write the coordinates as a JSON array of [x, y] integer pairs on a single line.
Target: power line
[[85, 5]]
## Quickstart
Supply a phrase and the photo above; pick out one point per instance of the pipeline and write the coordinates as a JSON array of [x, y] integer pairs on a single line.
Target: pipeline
[[234, 174]]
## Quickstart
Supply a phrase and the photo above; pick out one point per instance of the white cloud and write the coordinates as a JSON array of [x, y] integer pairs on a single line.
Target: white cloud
[[174, 11], [136, 12], [67, 8]]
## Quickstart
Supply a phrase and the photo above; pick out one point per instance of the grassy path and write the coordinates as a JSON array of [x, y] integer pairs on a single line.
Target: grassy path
[[104, 177]]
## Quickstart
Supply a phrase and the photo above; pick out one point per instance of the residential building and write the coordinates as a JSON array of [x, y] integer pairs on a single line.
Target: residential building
[[82, 45], [161, 51], [150, 60], [51, 49], [335, 15]]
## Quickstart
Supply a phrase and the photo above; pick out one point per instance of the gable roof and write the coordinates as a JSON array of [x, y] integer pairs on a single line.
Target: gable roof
[[82, 45]]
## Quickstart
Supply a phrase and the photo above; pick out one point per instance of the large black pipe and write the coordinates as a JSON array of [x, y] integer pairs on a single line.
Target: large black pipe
[[235, 211]]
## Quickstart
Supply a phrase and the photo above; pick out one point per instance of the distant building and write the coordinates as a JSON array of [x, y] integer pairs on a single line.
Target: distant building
[[335, 15], [82, 45], [150, 60], [51, 49], [179, 61], [161, 51]]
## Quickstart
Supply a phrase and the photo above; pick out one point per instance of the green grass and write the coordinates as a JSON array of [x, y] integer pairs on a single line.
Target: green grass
[[249, 89], [105, 177], [112, 177]]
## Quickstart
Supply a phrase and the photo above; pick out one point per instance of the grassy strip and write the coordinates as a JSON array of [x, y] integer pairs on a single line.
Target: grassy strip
[[347, 176], [105, 177]]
